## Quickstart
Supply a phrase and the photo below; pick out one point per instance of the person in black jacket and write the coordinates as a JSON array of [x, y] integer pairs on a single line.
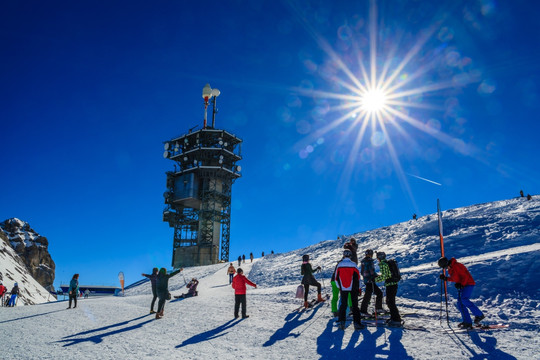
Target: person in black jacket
[[14, 294], [162, 287], [153, 282], [309, 279], [353, 247]]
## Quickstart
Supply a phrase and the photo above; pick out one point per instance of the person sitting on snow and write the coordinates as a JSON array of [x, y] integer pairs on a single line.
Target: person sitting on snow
[[465, 286], [192, 286]]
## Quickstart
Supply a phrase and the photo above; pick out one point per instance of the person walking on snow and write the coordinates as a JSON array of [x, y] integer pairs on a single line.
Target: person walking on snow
[[251, 256], [73, 290], [348, 281], [239, 286], [244, 258], [153, 282], [239, 260], [368, 273], [162, 287], [464, 284], [309, 279], [391, 288], [14, 294], [231, 271]]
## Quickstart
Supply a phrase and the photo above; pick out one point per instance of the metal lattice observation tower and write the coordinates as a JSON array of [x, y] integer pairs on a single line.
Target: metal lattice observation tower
[[198, 196]]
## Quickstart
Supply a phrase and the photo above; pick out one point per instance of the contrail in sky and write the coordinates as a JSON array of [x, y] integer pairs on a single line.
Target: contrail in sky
[[421, 178]]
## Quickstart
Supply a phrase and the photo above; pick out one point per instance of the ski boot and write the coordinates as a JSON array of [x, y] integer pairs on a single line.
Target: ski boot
[[464, 325], [477, 319], [342, 325], [320, 298]]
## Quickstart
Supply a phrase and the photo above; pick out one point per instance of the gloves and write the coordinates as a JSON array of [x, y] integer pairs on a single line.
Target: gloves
[[443, 277], [458, 286], [318, 268]]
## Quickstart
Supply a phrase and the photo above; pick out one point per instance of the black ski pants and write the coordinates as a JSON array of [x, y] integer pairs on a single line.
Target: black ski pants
[[74, 298], [391, 292], [239, 299], [161, 302], [371, 287], [154, 294], [343, 306], [310, 281]]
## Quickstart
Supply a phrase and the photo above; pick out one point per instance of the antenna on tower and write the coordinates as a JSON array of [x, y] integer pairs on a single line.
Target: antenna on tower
[[207, 94]]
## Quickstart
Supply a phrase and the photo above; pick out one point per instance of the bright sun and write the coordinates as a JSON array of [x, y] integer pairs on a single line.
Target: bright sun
[[373, 101]]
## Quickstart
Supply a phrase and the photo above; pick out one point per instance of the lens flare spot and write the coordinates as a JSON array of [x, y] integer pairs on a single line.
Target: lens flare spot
[[367, 155], [377, 139]]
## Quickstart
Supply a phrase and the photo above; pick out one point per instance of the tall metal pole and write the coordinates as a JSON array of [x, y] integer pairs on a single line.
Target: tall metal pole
[[214, 111]]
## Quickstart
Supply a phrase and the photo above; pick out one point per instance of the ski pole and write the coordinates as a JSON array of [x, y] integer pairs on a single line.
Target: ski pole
[[322, 278]]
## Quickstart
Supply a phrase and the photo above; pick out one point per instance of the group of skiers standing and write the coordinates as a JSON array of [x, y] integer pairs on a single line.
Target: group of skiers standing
[[13, 298], [345, 284]]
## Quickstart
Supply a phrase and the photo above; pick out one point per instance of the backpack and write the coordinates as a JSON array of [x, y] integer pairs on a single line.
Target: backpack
[[394, 270]]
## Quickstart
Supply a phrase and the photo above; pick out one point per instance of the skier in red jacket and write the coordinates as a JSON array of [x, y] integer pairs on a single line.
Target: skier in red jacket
[[239, 285], [465, 286], [348, 281], [3, 290]]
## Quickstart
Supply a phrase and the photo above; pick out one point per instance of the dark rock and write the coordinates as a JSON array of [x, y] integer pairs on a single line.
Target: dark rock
[[32, 248]]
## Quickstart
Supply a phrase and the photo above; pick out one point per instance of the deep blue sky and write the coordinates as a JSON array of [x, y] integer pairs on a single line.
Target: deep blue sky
[[90, 90]]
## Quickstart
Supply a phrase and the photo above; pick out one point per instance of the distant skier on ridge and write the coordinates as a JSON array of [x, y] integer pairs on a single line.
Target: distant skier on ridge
[[465, 286]]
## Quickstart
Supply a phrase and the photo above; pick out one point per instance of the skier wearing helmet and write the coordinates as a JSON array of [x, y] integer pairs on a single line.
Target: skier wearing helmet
[[391, 289], [465, 286], [368, 273], [348, 281]]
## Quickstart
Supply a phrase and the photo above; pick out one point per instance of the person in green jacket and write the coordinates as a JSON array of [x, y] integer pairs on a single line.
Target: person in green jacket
[[73, 290], [391, 289], [162, 287]]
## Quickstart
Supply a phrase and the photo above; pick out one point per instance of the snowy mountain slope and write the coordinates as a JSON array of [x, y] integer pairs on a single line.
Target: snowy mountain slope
[[502, 258], [13, 270]]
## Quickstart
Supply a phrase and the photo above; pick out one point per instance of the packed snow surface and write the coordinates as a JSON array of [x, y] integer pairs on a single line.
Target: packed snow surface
[[498, 242]]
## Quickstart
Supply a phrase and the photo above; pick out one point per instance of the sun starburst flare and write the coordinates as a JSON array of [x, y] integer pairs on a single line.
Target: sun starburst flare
[[378, 99]]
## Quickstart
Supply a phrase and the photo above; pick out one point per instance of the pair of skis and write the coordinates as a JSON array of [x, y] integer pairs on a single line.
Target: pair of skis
[[311, 304]]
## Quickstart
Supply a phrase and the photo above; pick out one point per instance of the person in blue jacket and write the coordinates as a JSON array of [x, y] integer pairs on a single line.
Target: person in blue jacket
[[153, 282], [73, 290], [14, 294]]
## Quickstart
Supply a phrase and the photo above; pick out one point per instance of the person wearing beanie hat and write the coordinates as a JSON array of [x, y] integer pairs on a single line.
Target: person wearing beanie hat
[[348, 282], [239, 285], [367, 268], [308, 279], [464, 284]]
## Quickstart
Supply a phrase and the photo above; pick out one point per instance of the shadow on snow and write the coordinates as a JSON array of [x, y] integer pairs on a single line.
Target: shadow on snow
[[210, 334], [99, 337], [292, 321]]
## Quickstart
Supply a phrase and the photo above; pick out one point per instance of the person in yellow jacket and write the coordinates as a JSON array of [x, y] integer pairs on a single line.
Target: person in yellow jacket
[[231, 271]]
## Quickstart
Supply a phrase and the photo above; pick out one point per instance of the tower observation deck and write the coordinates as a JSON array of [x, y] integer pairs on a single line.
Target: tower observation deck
[[198, 196]]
